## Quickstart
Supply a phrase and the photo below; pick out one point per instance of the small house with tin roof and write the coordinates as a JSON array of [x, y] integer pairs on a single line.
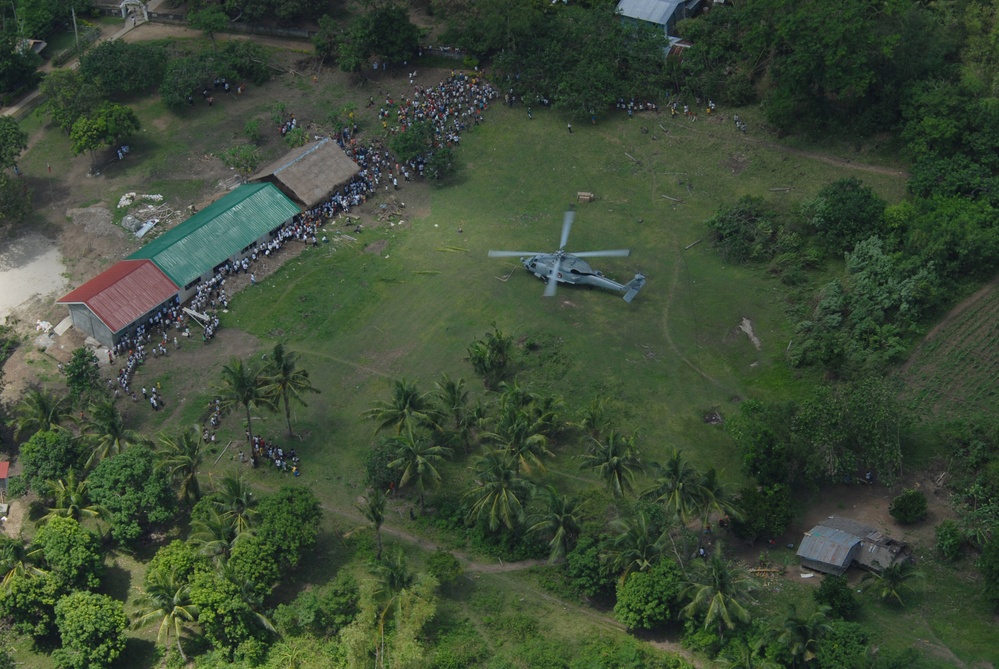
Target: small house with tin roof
[[835, 544]]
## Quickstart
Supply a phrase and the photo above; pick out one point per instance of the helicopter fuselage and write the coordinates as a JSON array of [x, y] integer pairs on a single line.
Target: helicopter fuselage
[[572, 270]]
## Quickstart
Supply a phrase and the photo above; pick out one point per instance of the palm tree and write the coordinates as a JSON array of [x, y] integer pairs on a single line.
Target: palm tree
[[450, 414], [17, 559], [717, 591], [418, 459], [284, 381], [71, 501], [499, 494], [594, 420], [519, 435], [373, 508], [243, 385], [677, 486], [560, 518], [408, 405], [105, 429], [616, 461], [892, 581], [392, 580], [742, 655], [168, 602], [248, 591], [214, 534], [182, 456], [714, 497], [636, 545], [234, 501], [801, 634], [40, 410]]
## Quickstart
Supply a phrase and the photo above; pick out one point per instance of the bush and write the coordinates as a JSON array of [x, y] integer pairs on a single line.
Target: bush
[[909, 507], [17, 486], [949, 540], [766, 512], [836, 593], [648, 600], [444, 566]]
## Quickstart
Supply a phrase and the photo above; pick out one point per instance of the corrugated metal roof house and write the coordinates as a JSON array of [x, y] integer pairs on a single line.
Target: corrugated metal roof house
[[107, 305], [311, 173], [225, 229], [835, 543], [828, 550], [663, 13]]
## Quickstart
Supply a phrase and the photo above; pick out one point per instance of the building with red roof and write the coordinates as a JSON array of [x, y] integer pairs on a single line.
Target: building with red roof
[[107, 306], [4, 475]]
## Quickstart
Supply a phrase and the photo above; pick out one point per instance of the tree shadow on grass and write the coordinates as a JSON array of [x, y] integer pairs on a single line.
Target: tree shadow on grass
[[117, 582], [139, 654]]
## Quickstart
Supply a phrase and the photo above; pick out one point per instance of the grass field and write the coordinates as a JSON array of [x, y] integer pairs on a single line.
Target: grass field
[[405, 301]]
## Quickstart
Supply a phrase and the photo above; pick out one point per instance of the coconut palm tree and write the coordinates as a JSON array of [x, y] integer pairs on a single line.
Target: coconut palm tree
[[892, 581], [71, 501], [716, 591], [560, 519], [17, 559], [243, 385], [518, 434], [800, 634], [636, 546], [616, 461], [677, 486], [40, 410], [714, 497], [167, 602], [742, 655], [498, 495], [450, 415], [181, 455], [373, 508], [234, 500], [407, 406], [249, 594], [418, 458], [594, 420], [284, 381], [213, 534], [105, 429], [392, 579]]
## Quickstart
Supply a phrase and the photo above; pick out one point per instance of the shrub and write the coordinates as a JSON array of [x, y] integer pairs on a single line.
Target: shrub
[[908, 507], [17, 486], [444, 566], [949, 540], [648, 600], [836, 593]]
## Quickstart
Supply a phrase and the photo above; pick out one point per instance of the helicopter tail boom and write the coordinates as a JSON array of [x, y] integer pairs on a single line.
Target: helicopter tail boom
[[633, 287]]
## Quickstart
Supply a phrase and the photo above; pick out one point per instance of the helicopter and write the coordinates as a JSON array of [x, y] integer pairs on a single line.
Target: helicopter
[[562, 267]]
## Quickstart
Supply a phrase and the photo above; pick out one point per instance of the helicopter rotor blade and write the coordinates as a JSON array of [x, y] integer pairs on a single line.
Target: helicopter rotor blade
[[553, 279], [567, 220], [512, 254], [614, 253]]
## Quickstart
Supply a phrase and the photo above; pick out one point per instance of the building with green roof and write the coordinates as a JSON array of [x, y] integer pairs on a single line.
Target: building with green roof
[[227, 229]]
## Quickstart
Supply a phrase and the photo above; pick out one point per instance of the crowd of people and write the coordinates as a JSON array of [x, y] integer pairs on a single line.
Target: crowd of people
[[268, 451]]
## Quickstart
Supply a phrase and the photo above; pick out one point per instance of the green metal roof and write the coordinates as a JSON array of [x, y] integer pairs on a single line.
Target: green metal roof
[[219, 231]]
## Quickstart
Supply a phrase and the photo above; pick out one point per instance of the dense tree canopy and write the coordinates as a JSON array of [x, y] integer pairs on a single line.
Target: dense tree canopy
[[136, 494], [92, 628]]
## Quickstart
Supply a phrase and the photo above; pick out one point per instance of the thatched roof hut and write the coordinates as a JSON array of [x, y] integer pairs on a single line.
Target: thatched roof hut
[[311, 173]]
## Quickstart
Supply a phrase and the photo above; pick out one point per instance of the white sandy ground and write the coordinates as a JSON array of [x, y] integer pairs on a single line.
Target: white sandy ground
[[30, 266]]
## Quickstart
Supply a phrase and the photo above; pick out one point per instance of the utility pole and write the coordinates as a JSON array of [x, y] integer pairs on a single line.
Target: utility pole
[[75, 31]]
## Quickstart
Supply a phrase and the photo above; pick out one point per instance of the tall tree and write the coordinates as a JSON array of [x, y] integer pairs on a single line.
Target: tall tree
[[450, 415], [83, 378], [408, 406], [138, 497], [70, 500], [715, 591], [167, 601], [107, 125], [498, 495], [104, 428], [676, 486], [92, 629], [520, 435], [560, 519], [373, 507], [892, 582], [418, 458], [243, 385], [800, 634], [636, 545], [284, 381], [615, 460], [40, 410], [181, 455], [13, 140], [234, 500], [17, 559]]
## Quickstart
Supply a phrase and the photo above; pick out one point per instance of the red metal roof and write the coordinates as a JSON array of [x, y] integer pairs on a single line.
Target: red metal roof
[[4, 469], [124, 293]]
